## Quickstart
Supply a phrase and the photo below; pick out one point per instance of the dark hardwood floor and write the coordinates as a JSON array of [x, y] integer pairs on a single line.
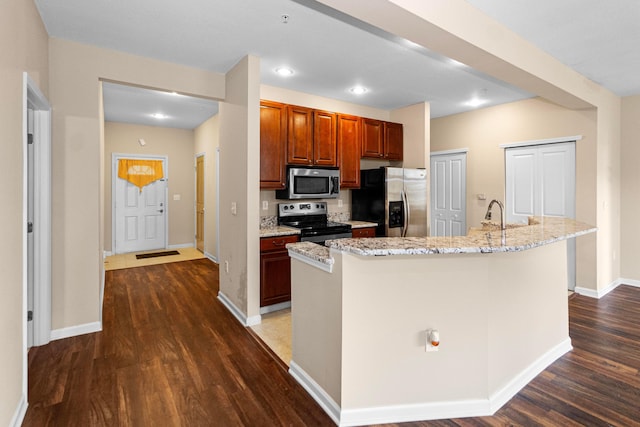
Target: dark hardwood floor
[[171, 355]]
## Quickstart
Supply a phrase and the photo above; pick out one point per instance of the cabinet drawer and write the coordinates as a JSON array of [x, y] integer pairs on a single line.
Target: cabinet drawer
[[276, 243], [364, 232]]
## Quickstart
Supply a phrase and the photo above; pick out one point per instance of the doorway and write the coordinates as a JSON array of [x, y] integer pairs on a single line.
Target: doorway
[[200, 167], [541, 181], [449, 193], [139, 213]]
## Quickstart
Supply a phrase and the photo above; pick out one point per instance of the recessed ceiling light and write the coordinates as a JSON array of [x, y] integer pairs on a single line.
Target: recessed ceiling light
[[478, 100], [159, 116], [284, 71], [358, 90]]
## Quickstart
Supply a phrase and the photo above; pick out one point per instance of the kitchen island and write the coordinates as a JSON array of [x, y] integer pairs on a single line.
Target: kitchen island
[[360, 309]]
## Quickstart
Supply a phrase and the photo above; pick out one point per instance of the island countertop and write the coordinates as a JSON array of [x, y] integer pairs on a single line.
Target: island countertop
[[542, 231]]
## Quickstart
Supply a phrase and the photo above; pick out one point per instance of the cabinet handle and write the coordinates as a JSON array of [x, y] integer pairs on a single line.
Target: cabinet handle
[[280, 243]]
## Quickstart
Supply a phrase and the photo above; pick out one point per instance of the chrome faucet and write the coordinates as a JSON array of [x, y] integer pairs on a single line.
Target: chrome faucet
[[488, 215]]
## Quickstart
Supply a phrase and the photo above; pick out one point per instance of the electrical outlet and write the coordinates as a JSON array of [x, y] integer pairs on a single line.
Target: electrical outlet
[[339, 203], [265, 205], [234, 208], [432, 340]]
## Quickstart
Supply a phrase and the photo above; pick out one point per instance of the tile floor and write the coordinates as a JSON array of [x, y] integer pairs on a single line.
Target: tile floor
[[275, 331], [116, 262]]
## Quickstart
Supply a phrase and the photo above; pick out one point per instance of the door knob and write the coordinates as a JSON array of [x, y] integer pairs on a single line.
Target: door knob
[[161, 210]]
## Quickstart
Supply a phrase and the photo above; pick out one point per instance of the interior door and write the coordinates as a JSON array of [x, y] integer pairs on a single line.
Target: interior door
[[449, 194], [140, 215], [200, 203], [540, 180]]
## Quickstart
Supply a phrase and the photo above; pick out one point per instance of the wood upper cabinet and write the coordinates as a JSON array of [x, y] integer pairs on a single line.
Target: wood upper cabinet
[[393, 141], [349, 140], [372, 137], [324, 138], [311, 137], [273, 144], [300, 135], [382, 140]]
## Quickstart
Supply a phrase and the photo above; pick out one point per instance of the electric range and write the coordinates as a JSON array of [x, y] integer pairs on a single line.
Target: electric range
[[311, 219]]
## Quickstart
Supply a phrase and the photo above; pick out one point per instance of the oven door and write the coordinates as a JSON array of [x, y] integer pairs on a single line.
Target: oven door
[[321, 237]]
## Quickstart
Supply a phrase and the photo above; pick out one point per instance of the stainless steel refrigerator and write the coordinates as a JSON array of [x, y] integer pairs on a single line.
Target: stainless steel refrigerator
[[395, 199]]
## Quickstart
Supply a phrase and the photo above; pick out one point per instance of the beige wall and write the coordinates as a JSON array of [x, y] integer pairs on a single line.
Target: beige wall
[[23, 43], [207, 141], [482, 131], [178, 146], [630, 189], [78, 162], [240, 186]]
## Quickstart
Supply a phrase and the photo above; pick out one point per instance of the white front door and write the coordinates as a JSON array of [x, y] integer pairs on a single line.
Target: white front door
[[449, 194], [541, 181], [140, 216]]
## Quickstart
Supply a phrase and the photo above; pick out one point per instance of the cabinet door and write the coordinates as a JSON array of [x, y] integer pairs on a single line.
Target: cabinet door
[[273, 139], [299, 135], [275, 277], [349, 151], [324, 138], [393, 141], [372, 138], [364, 232]]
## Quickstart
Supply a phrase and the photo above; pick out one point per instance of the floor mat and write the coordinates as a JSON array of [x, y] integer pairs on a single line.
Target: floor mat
[[156, 254]]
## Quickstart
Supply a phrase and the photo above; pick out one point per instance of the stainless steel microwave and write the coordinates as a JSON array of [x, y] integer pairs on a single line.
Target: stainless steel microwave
[[311, 183]]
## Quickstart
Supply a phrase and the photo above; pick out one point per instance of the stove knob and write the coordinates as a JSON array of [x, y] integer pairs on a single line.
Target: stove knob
[[285, 207], [290, 206]]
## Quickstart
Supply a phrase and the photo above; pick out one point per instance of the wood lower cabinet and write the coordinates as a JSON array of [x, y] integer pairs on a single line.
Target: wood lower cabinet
[[273, 145], [363, 232], [275, 270], [349, 140]]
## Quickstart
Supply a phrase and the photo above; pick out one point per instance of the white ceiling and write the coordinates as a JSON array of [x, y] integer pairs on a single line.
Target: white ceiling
[[329, 55]]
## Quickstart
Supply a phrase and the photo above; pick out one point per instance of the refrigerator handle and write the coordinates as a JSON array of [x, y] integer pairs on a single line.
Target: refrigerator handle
[[407, 214]]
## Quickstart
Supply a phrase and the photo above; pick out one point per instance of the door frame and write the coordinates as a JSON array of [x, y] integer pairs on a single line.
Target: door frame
[[204, 201], [34, 98], [114, 176]]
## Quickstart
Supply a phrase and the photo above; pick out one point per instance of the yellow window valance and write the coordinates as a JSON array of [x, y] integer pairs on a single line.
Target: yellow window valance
[[140, 172]]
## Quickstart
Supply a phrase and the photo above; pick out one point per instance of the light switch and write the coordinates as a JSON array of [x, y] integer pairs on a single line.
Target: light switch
[[176, 197]]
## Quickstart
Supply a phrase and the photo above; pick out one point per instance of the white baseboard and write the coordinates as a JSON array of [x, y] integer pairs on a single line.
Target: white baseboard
[[429, 410], [237, 313], [21, 411], [502, 396], [630, 282], [182, 245], [211, 257], [73, 331], [317, 393], [275, 307]]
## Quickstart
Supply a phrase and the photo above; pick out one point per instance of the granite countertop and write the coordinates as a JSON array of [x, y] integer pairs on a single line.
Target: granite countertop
[[542, 231], [359, 224], [278, 230]]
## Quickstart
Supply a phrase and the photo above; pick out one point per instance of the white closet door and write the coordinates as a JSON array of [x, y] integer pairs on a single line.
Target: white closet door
[[541, 181], [449, 194]]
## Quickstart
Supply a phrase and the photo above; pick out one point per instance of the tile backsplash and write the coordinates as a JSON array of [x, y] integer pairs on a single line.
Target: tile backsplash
[[339, 206]]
